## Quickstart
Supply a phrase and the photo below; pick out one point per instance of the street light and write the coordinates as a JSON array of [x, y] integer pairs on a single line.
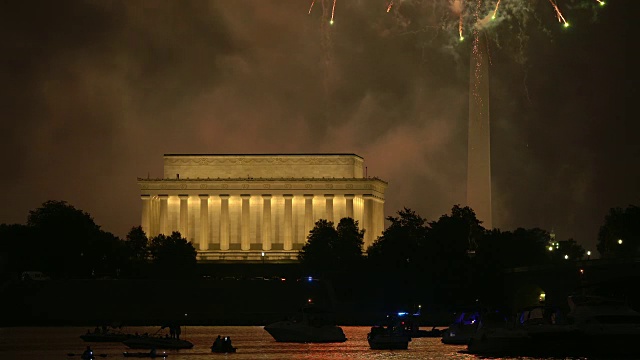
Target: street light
[[619, 241], [589, 255], [566, 257]]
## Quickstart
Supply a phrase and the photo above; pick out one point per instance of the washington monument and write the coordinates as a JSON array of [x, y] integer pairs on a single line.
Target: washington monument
[[479, 147]]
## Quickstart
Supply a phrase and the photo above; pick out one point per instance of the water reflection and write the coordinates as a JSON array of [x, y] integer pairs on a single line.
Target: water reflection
[[253, 342]]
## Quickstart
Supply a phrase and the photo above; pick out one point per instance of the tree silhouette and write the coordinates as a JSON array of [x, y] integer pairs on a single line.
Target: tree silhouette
[[16, 248], [402, 244], [64, 239], [452, 241], [619, 236], [138, 244], [172, 256], [330, 250], [348, 247], [398, 260]]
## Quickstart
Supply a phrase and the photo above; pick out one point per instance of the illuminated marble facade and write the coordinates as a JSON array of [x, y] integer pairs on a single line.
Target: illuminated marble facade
[[239, 207]]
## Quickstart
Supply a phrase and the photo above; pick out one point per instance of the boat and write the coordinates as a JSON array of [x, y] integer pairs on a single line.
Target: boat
[[224, 351], [145, 354], [433, 332], [594, 327], [150, 342], [108, 337], [388, 338], [496, 335], [314, 325], [462, 329], [105, 335], [222, 345], [394, 333], [411, 324], [608, 327]]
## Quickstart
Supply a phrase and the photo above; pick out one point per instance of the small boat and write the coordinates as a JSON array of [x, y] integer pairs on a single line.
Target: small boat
[[106, 334], [390, 338], [223, 351], [222, 345], [411, 324], [150, 342], [462, 329], [145, 354], [314, 326], [434, 332], [394, 332]]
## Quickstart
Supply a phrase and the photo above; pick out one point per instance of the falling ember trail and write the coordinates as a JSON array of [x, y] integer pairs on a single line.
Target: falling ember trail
[[333, 10], [494, 11], [558, 13], [389, 6], [311, 7], [460, 28]]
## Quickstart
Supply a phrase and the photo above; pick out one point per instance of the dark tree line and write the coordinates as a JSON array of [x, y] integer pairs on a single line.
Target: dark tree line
[[65, 242], [619, 236], [453, 260]]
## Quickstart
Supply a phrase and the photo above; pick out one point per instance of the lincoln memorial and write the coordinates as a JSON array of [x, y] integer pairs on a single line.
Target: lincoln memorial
[[259, 206]]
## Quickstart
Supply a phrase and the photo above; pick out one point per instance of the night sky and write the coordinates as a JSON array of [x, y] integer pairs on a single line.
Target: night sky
[[93, 93]]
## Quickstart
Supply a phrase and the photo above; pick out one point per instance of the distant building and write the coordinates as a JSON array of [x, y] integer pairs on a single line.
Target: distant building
[[259, 206]]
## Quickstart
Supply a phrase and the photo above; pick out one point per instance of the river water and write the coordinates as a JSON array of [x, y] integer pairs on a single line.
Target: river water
[[253, 342]]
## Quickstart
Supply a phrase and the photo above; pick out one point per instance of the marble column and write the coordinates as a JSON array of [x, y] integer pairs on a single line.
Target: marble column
[[184, 216], [204, 222], [224, 222], [245, 240], [288, 223], [266, 222], [329, 207], [164, 220], [379, 218], [146, 213], [308, 214], [349, 203], [368, 219]]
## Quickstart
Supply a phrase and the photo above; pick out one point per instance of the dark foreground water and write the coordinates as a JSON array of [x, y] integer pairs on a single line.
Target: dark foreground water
[[253, 342]]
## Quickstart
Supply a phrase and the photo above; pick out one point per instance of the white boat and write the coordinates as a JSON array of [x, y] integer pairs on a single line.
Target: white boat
[[314, 325], [594, 327]]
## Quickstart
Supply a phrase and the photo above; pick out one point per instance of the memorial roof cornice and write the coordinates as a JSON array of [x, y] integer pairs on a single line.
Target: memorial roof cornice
[[271, 154], [260, 179]]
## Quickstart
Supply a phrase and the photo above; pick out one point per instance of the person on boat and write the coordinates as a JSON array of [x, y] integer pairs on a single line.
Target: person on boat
[[153, 352], [227, 344], [178, 332], [87, 354], [217, 344]]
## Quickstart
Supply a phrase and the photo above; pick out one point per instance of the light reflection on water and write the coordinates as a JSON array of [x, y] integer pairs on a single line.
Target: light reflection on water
[[253, 342]]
